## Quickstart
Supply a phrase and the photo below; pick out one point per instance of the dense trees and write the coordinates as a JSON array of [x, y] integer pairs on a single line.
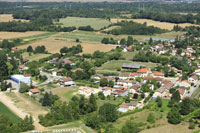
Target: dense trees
[[86, 28], [130, 127], [108, 112], [174, 116], [73, 50], [133, 28], [3, 65]]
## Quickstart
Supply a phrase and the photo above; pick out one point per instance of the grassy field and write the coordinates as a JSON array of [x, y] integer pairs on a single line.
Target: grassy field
[[6, 111], [96, 23], [11, 35], [162, 25], [35, 57], [115, 64], [65, 93]]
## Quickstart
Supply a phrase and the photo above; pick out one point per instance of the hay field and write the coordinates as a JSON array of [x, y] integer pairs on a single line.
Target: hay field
[[96, 23], [35, 57], [54, 44], [10, 35], [162, 25], [9, 17]]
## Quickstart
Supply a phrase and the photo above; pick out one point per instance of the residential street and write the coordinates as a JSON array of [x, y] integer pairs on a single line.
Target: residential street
[[192, 90]]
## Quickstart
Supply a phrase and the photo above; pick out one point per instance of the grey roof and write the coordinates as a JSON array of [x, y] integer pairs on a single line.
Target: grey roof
[[133, 66]]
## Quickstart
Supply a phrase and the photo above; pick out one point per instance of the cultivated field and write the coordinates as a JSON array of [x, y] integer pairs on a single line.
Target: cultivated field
[[162, 25], [10, 35], [96, 23], [6, 111], [9, 17], [54, 43]]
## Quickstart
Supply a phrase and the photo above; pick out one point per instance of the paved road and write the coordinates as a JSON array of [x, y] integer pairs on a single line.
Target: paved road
[[50, 77], [192, 89]]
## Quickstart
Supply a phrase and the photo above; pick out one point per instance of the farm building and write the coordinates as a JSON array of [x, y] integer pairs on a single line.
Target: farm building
[[131, 66], [21, 78], [33, 91]]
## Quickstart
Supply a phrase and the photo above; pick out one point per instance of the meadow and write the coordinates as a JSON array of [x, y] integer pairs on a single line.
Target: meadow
[[34, 57], [96, 23], [6, 111], [23, 35], [9, 17], [162, 25]]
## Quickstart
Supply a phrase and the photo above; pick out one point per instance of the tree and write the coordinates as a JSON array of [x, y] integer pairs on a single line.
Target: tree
[[29, 49], [110, 83], [46, 101], [26, 124], [92, 121], [151, 118], [93, 102], [129, 41], [108, 112], [174, 117], [175, 98], [23, 88], [159, 102], [122, 41], [130, 127], [103, 82], [3, 65], [186, 106], [101, 95]]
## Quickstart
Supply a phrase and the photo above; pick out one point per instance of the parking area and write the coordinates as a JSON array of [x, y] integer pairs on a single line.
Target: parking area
[[14, 84]]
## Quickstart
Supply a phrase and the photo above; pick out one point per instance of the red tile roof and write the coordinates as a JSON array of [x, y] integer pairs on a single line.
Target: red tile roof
[[142, 70], [157, 73], [34, 90], [21, 66], [66, 79]]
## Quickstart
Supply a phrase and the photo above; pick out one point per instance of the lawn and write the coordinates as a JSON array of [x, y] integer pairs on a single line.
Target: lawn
[[6, 111], [115, 64], [35, 57], [96, 23]]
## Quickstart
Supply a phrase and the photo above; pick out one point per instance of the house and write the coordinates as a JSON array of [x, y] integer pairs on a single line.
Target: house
[[120, 92], [107, 91], [124, 107], [134, 75], [143, 72], [193, 79], [135, 88], [23, 67], [25, 60], [67, 81], [87, 91], [158, 74], [131, 66], [33, 91], [184, 83], [182, 90], [126, 83], [97, 76], [58, 71], [124, 75]]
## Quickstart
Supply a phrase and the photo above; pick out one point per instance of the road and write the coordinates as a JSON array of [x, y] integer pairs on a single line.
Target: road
[[50, 77], [192, 89]]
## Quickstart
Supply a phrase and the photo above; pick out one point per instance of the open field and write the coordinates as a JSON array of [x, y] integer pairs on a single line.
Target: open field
[[10, 35], [6, 111], [54, 43], [35, 57], [65, 93], [96, 23], [162, 25], [115, 64], [9, 17]]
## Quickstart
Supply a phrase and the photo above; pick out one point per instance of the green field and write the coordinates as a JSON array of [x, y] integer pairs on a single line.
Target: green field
[[84, 36], [6, 111], [115, 64], [96, 23], [35, 57]]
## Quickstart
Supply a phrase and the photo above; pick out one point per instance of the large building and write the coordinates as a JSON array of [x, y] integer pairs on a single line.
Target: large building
[[21, 79]]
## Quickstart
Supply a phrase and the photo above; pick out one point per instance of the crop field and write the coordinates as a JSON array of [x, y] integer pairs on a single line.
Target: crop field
[[54, 43], [96, 23], [162, 25], [9, 17], [35, 57], [6, 111], [10, 35]]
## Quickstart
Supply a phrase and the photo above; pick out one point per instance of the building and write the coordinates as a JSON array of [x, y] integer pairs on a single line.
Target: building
[[33, 91], [67, 81], [21, 79], [131, 66]]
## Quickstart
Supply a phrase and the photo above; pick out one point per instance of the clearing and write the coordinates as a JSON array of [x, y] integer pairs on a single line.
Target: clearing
[[65, 93], [4, 110], [11, 35], [33, 57], [9, 17], [96, 23], [162, 25]]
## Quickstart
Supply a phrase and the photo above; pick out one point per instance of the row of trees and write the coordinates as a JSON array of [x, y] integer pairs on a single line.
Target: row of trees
[[73, 50], [38, 49]]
